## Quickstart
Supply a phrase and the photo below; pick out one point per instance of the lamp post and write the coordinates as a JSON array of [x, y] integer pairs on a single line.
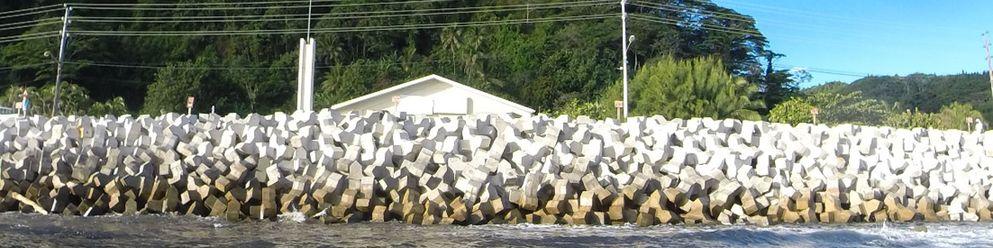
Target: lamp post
[[58, 77], [624, 49], [62, 48]]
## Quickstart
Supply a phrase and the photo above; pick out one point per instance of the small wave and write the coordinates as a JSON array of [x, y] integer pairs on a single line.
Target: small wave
[[297, 217]]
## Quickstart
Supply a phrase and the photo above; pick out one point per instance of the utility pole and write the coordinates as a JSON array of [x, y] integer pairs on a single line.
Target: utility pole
[[58, 70], [989, 60], [310, 7], [305, 68], [624, 49]]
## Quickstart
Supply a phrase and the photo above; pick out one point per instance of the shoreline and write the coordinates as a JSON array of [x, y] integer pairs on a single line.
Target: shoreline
[[376, 166]]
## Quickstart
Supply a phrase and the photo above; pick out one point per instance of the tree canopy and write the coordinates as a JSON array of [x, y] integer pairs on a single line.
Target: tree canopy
[[698, 87], [541, 55], [926, 92]]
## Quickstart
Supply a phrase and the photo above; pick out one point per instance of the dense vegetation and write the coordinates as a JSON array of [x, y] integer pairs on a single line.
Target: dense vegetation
[[689, 59], [689, 88], [925, 92], [541, 64], [838, 104]]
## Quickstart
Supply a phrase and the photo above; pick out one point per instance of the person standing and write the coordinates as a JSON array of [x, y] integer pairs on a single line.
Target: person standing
[[25, 103]]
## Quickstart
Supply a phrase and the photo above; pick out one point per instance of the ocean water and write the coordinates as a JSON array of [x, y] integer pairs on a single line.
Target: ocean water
[[32, 230]]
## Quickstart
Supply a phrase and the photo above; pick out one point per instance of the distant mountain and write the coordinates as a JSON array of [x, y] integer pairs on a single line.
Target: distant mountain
[[927, 92]]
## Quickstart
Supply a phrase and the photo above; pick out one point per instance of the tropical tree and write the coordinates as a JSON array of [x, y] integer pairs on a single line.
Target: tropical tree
[[699, 87], [540, 64], [575, 108], [73, 100], [172, 85], [956, 116], [911, 119], [853, 108], [779, 85], [793, 111], [343, 83], [114, 106]]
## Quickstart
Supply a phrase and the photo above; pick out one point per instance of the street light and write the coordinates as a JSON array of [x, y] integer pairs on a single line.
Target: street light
[[624, 68], [624, 51], [58, 77], [627, 48], [631, 43]]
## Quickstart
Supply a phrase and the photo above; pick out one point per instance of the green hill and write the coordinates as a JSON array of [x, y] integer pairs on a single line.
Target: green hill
[[927, 92]]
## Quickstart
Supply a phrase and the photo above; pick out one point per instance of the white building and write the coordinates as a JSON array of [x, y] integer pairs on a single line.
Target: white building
[[433, 95]]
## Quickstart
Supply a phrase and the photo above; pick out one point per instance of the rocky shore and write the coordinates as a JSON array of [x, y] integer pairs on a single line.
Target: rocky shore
[[377, 166]]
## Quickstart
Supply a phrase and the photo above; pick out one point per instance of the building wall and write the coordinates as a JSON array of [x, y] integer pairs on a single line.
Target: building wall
[[440, 96]]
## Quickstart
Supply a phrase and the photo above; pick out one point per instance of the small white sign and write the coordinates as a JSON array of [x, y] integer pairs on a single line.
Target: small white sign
[[189, 101]]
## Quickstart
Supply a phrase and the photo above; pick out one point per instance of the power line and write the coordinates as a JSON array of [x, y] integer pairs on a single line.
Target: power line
[[346, 16], [714, 14], [31, 13], [197, 4], [16, 67], [790, 25], [31, 25], [828, 29], [29, 37], [859, 21], [253, 8], [352, 13], [701, 26], [160, 66], [343, 29], [838, 73], [823, 71], [108, 64], [31, 21], [29, 9]]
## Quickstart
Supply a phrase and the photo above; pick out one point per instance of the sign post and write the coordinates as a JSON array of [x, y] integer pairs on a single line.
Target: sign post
[[189, 105], [396, 104], [618, 105], [968, 123], [813, 113]]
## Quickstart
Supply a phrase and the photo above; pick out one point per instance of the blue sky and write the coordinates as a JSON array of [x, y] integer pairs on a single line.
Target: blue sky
[[839, 39]]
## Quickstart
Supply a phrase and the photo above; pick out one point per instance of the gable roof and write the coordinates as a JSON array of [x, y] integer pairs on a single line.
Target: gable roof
[[429, 78]]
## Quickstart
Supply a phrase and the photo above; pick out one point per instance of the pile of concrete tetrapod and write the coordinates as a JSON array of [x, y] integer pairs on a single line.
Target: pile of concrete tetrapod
[[377, 166]]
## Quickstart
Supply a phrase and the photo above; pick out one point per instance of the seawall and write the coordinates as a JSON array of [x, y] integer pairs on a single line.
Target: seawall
[[351, 167]]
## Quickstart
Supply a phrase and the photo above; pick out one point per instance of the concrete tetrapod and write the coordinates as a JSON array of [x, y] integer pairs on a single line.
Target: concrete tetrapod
[[378, 166]]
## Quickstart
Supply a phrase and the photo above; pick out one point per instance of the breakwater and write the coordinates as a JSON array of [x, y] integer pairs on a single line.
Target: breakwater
[[376, 166]]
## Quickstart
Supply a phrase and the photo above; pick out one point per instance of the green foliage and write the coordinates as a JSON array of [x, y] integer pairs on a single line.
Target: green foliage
[[698, 87], [115, 106], [172, 86], [778, 85], [343, 84], [40, 103], [575, 108], [853, 108], [793, 111], [929, 93], [952, 116], [74, 100], [542, 65], [263, 89], [955, 116], [911, 119]]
